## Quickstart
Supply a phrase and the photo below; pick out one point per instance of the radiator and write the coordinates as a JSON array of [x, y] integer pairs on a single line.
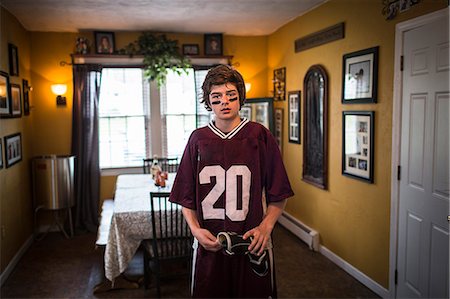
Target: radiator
[[301, 230]]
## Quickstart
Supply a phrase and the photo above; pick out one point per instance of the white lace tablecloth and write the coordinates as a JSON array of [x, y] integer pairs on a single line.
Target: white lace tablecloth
[[131, 220]]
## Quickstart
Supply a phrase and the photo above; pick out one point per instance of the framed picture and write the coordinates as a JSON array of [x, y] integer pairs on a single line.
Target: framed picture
[[294, 116], [360, 76], [26, 97], [13, 60], [1, 154], [16, 100], [104, 42], [246, 111], [358, 144], [279, 128], [5, 95], [191, 49], [261, 111], [13, 149], [279, 84], [213, 44]]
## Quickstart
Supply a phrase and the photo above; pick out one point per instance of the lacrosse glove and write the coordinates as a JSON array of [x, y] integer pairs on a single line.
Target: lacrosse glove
[[233, 243]]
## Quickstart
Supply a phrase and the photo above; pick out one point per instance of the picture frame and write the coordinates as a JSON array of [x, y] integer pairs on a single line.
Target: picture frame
[[13, 60], [191, 49], [16, 100], [26, 97], [360, 76], [358, 144], [13, 149], [261, 110], [5, 95], [279, 84], [1, 153], [278, 118], [294, 116], [246, 111], [104, 42], [213, 44]]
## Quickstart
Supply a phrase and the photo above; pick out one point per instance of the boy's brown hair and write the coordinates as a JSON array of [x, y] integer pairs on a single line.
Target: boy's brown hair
[[220, 75]]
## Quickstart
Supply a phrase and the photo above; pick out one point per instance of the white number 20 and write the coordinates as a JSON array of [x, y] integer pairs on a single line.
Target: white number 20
[[226, 180]]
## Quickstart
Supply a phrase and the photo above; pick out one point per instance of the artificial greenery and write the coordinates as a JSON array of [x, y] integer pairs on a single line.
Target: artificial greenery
[[160, 55]]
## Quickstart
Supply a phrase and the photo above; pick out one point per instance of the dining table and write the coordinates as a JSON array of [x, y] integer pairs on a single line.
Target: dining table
[[130, 223]]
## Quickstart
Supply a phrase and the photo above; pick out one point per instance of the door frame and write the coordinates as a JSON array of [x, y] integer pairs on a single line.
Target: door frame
[[400, 30]]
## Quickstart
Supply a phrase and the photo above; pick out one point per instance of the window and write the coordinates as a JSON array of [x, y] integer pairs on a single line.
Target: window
[[137, 120]]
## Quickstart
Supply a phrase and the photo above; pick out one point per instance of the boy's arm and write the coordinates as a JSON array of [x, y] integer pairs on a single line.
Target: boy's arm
[[204, 236], [261, 233]]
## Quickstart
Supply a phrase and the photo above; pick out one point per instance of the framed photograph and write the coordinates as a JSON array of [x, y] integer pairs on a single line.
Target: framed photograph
[[1, 154], [279, 84], [358, 144], [26, 97], [16, 100], [246, 111], [294, 116], [261, 111], [13, 149], [5, 95], [104, 42], [213, 44], [360, 76], [191, 49], [13, 60], [279, 128]]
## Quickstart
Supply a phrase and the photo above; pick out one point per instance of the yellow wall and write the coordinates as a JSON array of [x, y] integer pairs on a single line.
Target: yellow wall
[[15, 196], [352, 216]]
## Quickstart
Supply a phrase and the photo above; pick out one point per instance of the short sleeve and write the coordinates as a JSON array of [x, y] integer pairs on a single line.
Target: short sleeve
[[277, 186]]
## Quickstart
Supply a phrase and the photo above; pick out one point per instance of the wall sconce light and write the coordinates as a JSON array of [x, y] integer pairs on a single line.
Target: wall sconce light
[[248, 86], [59, 90]]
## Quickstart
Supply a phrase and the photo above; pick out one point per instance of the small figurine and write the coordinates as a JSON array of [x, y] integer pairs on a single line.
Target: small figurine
[[82, 46]]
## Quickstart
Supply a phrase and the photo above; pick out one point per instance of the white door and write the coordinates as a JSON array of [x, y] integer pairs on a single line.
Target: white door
[[423, 236]]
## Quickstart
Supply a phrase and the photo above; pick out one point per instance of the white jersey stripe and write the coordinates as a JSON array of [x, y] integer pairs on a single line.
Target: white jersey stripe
[[230, 134]]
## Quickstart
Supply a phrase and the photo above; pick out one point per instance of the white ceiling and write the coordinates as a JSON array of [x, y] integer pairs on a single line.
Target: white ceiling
[[231, 17]]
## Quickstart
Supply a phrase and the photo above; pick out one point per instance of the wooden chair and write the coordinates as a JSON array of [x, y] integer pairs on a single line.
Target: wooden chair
[[166, 164], [171, 241]]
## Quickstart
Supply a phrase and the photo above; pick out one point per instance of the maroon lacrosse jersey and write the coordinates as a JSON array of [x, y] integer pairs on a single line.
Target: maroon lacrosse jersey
[[223, 176]]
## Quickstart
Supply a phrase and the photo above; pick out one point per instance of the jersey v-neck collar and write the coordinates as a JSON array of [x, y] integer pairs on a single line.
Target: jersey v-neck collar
[[230, 134]]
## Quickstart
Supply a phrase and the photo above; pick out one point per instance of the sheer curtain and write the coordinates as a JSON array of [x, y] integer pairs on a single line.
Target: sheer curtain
[[85, 144]]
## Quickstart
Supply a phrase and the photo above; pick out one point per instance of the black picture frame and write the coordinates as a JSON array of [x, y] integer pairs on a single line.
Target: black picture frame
[[278, 127], [213, 44], [191, 49], [13, 149], [294, 116], [104, 42], [360, 76], [279, 84], [358, 144], [1, 153], [13, 60], [16, 100], [5, 95], [261, 111], [26, 97]]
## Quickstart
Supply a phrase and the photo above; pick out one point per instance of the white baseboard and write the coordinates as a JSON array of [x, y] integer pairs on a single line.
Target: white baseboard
[[13, 263], [357, 274]]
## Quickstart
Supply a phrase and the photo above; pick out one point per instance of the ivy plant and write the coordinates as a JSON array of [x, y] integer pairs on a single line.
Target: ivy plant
[[160, 55]]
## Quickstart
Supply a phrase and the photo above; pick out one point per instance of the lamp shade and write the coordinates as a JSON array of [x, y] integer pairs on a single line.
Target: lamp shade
[[59, 89]]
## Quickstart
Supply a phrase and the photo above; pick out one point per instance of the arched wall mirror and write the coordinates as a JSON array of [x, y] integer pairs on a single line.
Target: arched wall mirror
[[315, 112]]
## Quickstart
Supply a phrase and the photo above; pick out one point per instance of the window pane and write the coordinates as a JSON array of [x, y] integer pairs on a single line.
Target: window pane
[[123, 109]]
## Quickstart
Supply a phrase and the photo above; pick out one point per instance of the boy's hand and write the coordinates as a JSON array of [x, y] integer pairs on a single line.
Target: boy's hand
[[207, 240], [261, 235]]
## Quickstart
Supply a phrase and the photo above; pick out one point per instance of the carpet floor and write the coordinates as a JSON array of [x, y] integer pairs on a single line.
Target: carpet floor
[[56, 267]]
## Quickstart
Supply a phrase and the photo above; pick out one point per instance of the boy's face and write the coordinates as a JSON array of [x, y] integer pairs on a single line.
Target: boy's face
[[224, 101]]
